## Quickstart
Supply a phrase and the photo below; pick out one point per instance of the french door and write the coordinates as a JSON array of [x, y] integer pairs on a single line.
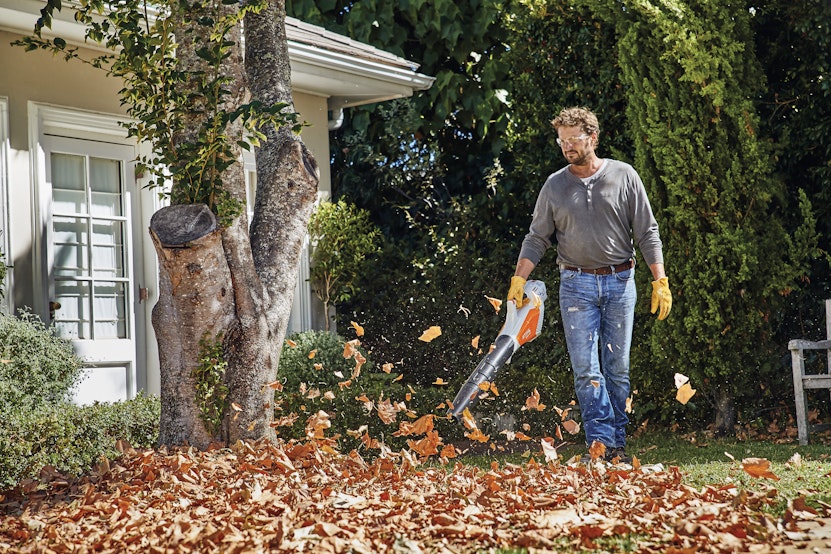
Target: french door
[[89, 258]]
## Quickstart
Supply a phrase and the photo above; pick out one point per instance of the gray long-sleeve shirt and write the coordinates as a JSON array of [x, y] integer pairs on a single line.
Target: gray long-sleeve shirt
[[595, 224]]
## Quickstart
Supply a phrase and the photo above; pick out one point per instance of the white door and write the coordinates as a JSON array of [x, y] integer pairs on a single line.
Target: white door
[[89, 258]]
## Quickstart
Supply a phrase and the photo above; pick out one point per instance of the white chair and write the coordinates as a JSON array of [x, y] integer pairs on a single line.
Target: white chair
[[803, 381]]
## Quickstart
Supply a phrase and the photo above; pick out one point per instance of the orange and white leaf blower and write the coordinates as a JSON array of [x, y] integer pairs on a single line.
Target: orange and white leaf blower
[[521, 325]]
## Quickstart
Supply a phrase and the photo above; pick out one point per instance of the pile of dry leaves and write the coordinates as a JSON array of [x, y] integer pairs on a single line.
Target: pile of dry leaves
[[307, 497]]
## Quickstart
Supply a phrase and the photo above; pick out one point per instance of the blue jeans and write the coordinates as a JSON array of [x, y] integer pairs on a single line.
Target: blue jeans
[[598, 312]]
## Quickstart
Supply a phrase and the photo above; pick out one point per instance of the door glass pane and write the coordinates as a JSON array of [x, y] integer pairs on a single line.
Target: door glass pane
[[105, 186], [72, 317], [70, 245], [110, 310], [107, 248], [68, 184]]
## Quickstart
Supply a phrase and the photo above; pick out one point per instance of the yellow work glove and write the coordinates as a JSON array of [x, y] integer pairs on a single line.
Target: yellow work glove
[[661, 297], [517, 290]]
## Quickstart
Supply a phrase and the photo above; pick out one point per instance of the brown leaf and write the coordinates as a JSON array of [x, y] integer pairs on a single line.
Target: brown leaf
[[430, 334], [758, 467]]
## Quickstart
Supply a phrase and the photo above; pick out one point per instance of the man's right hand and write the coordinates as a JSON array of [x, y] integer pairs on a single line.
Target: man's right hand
[[517, 290]]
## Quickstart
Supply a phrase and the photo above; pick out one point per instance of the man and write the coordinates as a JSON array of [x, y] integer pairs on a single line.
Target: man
[[596, 209]]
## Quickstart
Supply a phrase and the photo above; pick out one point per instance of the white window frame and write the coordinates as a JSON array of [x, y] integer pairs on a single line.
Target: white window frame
[[7, 304]]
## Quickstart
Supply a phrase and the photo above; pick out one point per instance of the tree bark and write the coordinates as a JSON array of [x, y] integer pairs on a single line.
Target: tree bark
[[224, 284]]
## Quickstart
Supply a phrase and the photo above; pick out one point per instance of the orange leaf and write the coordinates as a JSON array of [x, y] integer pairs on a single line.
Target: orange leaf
[[439, 381], [468, 420], [358, 329], [595, 384], [684, 393], [312, 353], [276, 385], [400, 376], [597, 450], [475, 342], [477, 435], [387, 367], [759, 467], [571, 426], [533, 402], [495, 302], [430, 334], [448, 451], [291, 343]]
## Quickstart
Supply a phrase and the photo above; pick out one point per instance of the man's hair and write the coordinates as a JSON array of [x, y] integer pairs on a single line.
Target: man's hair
[[577, 117]]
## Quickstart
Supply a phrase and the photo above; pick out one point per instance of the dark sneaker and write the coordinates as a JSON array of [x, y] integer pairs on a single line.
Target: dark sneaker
[[618, 456]]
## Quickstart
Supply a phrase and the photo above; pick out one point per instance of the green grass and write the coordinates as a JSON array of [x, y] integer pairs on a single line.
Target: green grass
[[704, 461]]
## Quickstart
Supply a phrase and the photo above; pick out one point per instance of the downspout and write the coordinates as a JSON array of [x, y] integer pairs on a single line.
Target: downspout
[[336, 119]]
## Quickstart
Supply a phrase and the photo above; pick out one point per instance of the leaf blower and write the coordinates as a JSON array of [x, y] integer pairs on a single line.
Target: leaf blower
[[521, 325]]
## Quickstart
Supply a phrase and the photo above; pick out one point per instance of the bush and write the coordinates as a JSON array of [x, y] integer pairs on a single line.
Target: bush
[[326, 382], [36, 367], [71, 438], [38, 425]]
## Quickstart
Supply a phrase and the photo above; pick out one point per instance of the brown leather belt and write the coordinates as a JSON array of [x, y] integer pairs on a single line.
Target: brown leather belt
[[608, 270]]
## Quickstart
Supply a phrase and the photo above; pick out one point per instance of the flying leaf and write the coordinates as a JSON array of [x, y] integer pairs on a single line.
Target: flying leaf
[[477, 435], [549, 450], [358, 329], [597, 450], [759, 467], [680, 380], [495, 302], [628, 408], [439, 381], [430, 334], [475, 342], [400, 376], [684, 393], [291, 343], [318, 367], [387, 367], [449, 451], [468, 420], [312, 353], [595, 384], [571, 426], [275, 385], [533, 402]]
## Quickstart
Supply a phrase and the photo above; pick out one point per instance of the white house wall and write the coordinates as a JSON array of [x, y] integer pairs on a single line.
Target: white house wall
[[32, 82]]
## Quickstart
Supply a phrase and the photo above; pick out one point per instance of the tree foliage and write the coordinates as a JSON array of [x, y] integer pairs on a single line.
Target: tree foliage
[[692, 79], [344, 239], [163, 97]]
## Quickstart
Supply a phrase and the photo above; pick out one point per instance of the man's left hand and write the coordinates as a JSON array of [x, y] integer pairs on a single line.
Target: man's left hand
[[661, 297]]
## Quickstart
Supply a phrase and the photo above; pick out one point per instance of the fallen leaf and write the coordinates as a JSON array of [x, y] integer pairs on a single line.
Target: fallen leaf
[[430, 334]]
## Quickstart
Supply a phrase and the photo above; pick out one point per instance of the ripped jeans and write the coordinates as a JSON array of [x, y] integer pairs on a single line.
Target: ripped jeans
[[598, 312]]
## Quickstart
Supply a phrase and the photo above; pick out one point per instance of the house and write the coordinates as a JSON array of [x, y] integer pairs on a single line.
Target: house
[[74, 216]]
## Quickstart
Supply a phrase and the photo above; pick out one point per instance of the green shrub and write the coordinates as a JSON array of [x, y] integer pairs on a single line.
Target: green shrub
[[71, 438], [36, 367], [326, 382]]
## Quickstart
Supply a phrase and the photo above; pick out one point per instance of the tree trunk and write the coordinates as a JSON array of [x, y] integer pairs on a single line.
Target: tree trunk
[[221, 284], [725, 418]]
